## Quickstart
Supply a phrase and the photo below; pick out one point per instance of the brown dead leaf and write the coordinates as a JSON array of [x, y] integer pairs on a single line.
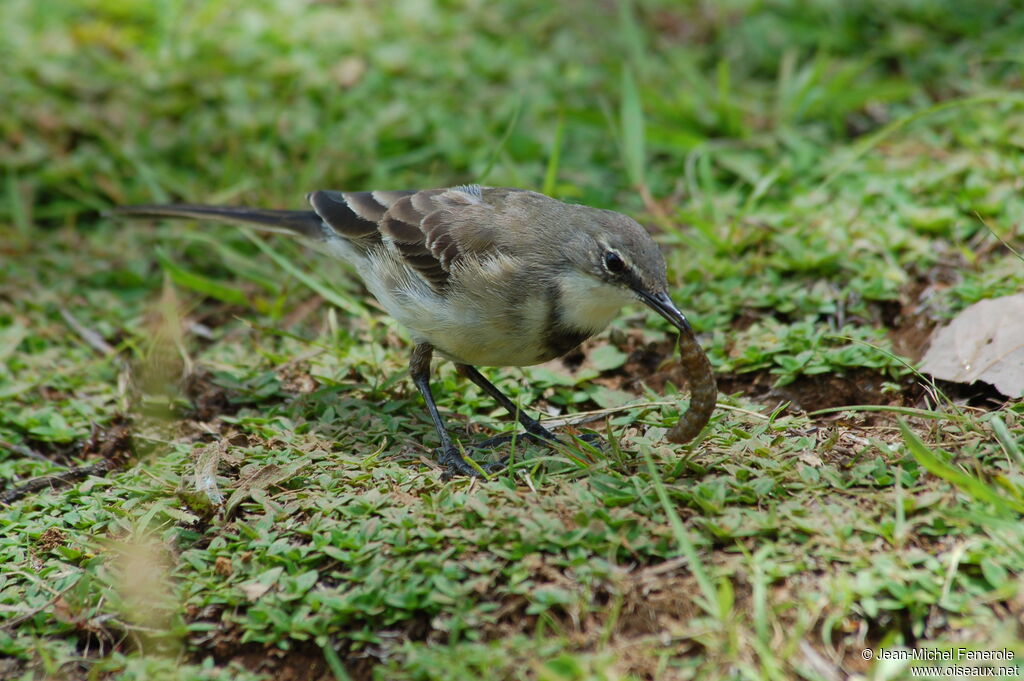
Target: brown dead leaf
[[254, 590], [51, 538], [811, 459], [985, 342], [269, 475], [222, 566], [349, 71], [62, 611]]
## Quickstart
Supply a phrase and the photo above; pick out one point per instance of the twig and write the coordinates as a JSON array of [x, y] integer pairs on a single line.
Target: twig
[[115, 452], [91, 338], [26, 451], [64, 477], [586, 416]]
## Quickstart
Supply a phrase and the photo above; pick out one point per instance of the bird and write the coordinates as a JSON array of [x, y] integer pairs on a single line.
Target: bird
[[485, 276]]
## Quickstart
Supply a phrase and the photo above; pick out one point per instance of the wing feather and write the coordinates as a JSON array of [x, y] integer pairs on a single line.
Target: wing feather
[[432, 231], [364, 205]]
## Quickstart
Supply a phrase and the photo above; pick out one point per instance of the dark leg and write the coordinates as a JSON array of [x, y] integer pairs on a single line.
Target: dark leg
[[450, 457], [533, 426], [534, 430]]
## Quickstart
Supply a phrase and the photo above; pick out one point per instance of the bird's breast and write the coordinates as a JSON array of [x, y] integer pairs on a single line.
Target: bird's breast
[[493, 316], [476, 331]]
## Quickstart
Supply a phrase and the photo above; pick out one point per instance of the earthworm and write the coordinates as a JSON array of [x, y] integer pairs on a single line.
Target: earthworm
[[703, 389]]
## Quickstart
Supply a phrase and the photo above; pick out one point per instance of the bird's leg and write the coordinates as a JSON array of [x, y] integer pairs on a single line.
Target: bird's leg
[[534, 430], [450, 457], [532, 425]]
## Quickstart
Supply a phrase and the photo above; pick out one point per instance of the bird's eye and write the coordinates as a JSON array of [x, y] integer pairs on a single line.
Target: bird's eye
[[613, 262]]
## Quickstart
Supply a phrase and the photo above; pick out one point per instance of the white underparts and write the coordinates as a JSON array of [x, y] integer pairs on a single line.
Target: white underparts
[[478, 322], [588, 303]]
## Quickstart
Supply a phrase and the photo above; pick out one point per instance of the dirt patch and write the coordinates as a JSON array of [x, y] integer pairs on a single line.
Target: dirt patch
[[303, 663], [110, 443], [824, 391], [910, 319], [861, 386], [11, 668], [648, 363]]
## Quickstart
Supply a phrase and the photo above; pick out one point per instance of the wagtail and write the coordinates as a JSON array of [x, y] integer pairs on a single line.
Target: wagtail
[[487, 276]]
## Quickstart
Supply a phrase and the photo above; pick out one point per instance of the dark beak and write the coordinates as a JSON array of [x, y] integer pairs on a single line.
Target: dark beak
[[663, 305]]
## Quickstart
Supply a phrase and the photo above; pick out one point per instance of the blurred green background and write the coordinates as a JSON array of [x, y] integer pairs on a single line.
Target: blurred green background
[[111, 101]]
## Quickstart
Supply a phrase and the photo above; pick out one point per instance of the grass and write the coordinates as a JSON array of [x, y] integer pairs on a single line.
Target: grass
[[829, 182]]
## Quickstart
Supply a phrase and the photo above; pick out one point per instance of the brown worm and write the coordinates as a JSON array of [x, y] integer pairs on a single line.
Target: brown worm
[[703, 389]]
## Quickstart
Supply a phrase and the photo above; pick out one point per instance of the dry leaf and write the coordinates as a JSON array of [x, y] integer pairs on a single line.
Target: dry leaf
[[222, 566], [271, 474], [811, 459], [349, 71], [253, 590], [62, 611], [985, 342], [206, 471]]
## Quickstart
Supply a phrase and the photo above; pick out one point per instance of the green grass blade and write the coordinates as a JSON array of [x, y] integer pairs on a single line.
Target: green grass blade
[[908, 411], [966, 483], [864, 146], [709, 599], [349, 305], [202, 284], [631, 35], [334, 663], [16, 206], [631, 122], [513, 121], [1007, 440], [551, 173]]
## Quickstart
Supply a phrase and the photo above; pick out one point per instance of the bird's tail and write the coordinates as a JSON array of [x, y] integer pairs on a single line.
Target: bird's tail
[[302, 222]]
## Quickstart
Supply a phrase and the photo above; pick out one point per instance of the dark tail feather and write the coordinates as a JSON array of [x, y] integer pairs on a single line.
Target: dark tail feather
[[303, 222]]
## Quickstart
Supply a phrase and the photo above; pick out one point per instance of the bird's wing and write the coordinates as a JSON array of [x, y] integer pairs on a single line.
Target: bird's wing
[[354, 215], [432, 230]]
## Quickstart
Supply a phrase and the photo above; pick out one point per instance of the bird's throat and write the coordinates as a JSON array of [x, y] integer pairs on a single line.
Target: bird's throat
[[581, 308]]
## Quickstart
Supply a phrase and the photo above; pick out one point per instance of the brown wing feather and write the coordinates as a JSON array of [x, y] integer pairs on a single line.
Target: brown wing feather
[[354, 215], [431, 229], [364, 205], [403, 225]]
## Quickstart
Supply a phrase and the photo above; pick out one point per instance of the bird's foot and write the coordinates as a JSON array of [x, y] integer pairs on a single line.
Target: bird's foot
[[455, 464], [544, 439]]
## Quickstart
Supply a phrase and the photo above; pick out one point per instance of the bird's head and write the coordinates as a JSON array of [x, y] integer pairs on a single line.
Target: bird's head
[[614, 260]]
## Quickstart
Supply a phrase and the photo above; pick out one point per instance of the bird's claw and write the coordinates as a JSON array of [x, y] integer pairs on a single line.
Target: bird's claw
[[455, 464]]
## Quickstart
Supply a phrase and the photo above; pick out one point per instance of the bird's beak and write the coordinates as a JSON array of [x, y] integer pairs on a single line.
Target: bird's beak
[[663, 305]]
